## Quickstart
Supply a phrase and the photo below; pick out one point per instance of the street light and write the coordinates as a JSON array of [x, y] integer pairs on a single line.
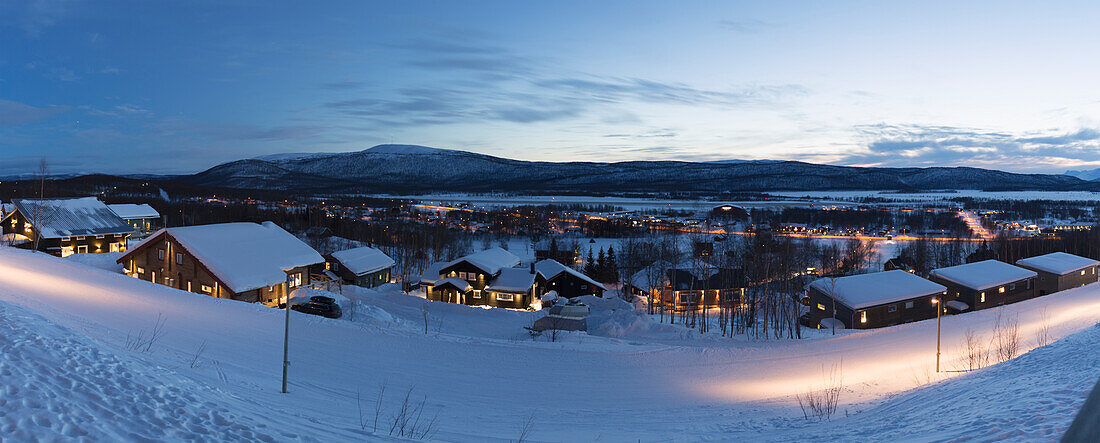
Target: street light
[[939, 310]]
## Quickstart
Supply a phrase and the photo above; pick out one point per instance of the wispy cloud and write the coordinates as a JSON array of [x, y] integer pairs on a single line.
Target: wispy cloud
[[15, 113], [917, 145], [748, 25]]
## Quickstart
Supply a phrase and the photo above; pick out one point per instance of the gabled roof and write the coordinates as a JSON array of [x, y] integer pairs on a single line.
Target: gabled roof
[[68, 217], [983, 275], [363, 260], [489, 260], [460, 284], [551, 268], [515, 280], [1059, 263], [877, 288], [431, 273], [243, 256], [129, 211]]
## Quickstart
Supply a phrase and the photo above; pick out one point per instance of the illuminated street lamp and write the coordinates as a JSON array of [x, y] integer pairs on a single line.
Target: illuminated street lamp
[[939, 310]]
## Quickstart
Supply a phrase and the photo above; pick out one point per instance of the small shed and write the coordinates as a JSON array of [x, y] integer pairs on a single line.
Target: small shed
[[366, 266]]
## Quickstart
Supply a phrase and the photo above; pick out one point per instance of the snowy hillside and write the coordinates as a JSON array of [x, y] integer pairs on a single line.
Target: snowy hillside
[[400, 168], [70, 367], [1085, 174]]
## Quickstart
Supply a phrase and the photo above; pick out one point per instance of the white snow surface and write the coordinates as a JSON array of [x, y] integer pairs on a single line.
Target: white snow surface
[[490, 260], [363, 260], [66, 371], [984, 274], [244, 256], [1059, 263], [130, 211], [512, 280], [877, 288]]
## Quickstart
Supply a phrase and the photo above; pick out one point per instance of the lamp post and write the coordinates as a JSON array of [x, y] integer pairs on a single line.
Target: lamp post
[[286, 333], [939, 310]]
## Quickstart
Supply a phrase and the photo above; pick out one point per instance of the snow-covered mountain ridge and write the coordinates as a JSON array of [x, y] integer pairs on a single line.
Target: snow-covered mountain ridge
[[405, 168]]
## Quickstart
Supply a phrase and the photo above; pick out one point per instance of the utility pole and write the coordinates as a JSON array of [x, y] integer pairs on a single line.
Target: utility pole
[[286, 333]]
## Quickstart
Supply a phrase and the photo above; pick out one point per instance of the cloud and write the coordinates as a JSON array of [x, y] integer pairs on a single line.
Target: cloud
[[242, 132], [916, 145], [747, 26], [15, 113]]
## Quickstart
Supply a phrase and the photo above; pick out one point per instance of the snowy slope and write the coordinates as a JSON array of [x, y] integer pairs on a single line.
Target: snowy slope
[[478, 367]]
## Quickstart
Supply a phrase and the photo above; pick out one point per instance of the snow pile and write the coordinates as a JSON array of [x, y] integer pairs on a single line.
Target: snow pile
[[107, 261], [615, 318]]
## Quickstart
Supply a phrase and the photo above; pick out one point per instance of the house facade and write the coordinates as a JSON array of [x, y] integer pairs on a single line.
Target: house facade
[[143, 218], [366, 266], [250, 262], [1059, 271], [700, 286], [874, 300], [464, 280], [66, 226], [986, 284], [551, 275]]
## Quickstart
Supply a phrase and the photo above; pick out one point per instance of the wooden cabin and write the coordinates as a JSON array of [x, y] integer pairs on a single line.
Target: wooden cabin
[[366, 266], [65, 226], [143, 218], [551, 275], [1059, 271], [874, 300], [257, 263], [684, 287], [986, 284], [477, 271]]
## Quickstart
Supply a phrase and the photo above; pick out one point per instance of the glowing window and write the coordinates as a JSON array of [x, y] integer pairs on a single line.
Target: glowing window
[[1001, 290], [821, 306], [505, 297], [206, 289], [863, 316], [983, 297]]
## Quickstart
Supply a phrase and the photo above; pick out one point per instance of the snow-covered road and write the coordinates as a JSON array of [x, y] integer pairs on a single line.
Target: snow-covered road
[[483, 386]]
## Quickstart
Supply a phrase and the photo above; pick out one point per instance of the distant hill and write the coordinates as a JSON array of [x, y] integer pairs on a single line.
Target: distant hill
[[408, 168], [1085, 174]]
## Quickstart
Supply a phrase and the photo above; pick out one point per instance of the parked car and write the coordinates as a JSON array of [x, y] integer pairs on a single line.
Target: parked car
[[319, 305]]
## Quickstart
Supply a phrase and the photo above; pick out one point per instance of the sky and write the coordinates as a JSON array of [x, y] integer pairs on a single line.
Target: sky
[[178, 87]]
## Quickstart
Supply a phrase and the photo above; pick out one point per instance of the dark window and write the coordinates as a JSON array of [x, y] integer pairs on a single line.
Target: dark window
[[892, 308], [160, 253]]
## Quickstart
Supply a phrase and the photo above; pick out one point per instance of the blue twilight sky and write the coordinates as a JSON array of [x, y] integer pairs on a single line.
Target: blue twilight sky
[[164, 87]]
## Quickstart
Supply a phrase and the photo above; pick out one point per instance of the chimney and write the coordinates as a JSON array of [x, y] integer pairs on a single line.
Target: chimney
[[532, 267]]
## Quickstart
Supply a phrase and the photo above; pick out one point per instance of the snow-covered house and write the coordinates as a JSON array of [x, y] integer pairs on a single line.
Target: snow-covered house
[[365, 266], [240, 261], [66, 226], [872, 300], [142, 217], [987, 283], [1059, 271], [696, 284], [477, 271], [567, 282]]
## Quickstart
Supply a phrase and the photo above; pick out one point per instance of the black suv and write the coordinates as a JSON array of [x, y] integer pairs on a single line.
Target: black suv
[[319, 305]]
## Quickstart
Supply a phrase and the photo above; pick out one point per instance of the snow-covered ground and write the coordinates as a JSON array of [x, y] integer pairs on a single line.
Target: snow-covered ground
[[68, 367]]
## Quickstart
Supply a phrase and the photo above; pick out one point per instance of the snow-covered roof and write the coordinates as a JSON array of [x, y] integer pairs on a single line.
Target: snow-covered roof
[[865, 290], [68, 217], [984, 274], [243, 256], [512, 280], [129, 211], [431, 274], [655, 274], [363, 260], [489, 260], [550, 268], [1059, 263], [459, 283]]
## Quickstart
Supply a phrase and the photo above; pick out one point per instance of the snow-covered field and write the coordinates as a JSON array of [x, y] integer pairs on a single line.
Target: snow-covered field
[[69, 368]]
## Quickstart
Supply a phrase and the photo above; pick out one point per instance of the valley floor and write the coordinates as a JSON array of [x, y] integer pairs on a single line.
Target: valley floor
[[69, 368]]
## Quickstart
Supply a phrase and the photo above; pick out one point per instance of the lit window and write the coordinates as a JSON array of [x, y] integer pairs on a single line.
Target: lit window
[[863, 316], [1082, 272], [1001, 290], [140, 270], [821, 306], [99, 236], [80, 237], [983, 297], [188, 286], [206, 289], [295, 279], [477, 293], [505, 297]]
